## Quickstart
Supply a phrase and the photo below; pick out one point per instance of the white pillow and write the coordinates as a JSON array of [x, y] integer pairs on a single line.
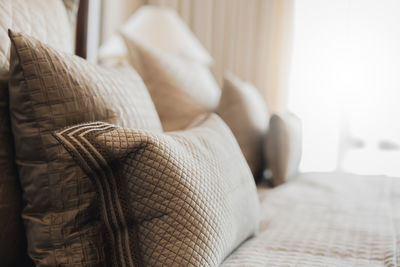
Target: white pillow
[[282, 147], [160, 28], [244, 110], [181, 89]]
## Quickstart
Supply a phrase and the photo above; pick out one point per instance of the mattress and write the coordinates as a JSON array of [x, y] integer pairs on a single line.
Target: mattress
[[324, 219]]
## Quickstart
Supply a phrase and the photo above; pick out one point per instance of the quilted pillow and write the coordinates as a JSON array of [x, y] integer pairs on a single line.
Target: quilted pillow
[[186, 198], [47, 20], [181, 89], [244, 110], [51, 90]]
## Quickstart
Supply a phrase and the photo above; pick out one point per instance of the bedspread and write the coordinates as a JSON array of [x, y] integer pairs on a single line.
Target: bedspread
[[322, 219]]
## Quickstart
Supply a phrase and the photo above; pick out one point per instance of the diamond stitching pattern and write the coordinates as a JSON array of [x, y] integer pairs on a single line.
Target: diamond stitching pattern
[[31, 17], [338, 220], [177, 198], [53, 91]]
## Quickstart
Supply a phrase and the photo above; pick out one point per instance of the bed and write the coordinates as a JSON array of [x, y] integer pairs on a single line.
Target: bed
[[326, 219]]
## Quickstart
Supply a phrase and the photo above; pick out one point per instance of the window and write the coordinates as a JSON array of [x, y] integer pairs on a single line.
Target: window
[[345, 84]]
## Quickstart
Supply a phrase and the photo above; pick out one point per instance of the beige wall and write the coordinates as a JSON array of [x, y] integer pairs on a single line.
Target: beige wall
[[250, 38]]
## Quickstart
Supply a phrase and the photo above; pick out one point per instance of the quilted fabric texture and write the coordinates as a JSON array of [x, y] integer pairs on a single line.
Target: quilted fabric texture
[[326, 220], [180, 199], [47, 20], [51, 90], [243, 109], [181, 89]]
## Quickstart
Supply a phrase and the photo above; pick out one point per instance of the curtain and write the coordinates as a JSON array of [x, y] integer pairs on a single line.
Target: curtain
[[250, 38]]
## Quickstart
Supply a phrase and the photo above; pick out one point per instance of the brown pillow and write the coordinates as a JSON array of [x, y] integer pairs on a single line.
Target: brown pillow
[[181, 199], [51, 90], [47, 20], [244, 110], [181, 89], [282, 147]]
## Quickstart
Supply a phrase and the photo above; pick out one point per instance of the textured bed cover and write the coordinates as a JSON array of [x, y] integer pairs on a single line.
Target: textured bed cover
[[324, 219]]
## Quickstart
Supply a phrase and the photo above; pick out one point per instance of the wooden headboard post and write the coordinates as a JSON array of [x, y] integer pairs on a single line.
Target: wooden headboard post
[[82, 29]]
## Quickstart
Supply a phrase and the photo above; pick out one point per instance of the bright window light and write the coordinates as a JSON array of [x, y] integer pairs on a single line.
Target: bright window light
[[345, 84]]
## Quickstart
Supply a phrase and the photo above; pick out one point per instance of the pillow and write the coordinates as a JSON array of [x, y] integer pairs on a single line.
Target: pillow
[[46, 19], [72, 7], [185, 198], [160, 27], [51, 90], [282, 147], [244, 110], [181, 89]]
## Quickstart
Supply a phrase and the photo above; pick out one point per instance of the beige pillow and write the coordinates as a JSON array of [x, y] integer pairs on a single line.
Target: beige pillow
[[181, 89], [185, 198], [72, 9], [282, 147], [160, 27], [50, 90], [244, 110], [48, 21]]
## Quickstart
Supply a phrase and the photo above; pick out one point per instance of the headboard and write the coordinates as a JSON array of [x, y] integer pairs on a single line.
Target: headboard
[[82, 29]]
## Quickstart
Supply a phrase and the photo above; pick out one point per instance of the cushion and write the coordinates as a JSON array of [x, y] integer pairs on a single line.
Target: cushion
[[72, 7], [50, 90], [185, 198], [282, 147], [244, 110], [326, 219], [181, 89], [160, 27], [47, 20]]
